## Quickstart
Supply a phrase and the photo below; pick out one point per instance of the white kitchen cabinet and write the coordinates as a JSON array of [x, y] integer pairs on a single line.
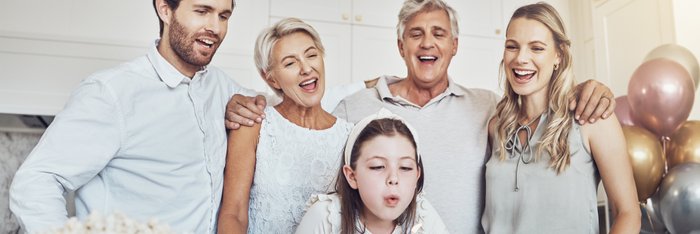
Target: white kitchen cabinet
[[625, 31], [337, 11], [476, 63], [479, 18], [382, 13], [359, 35], [375, 52], [582, 42], [48, 47], [235, 56]]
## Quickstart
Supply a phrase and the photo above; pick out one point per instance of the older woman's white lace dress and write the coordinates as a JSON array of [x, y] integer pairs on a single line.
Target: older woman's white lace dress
[[292, 163]]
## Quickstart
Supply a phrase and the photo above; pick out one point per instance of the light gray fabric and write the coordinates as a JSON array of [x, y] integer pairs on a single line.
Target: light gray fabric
[[544, 202], [453, 134]]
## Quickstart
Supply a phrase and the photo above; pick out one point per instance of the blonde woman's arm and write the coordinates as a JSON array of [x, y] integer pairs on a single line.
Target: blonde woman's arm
[[238, 178], [607, 144]]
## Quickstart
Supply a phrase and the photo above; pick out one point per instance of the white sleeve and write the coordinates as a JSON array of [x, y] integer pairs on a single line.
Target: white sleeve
[[82, 139], [432, 223], [316, 219], [335, 94]]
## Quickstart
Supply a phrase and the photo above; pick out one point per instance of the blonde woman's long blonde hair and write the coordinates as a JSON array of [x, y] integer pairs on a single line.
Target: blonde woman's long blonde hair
[[555, 138]]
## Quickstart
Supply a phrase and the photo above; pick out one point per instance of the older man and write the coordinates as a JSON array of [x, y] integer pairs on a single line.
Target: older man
[[450, 119]]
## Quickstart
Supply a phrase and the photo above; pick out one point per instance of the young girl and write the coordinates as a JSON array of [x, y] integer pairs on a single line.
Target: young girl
[[543, 172], [378, 184]]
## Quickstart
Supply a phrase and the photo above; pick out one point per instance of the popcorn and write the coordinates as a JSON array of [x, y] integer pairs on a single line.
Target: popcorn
[[96, 223]]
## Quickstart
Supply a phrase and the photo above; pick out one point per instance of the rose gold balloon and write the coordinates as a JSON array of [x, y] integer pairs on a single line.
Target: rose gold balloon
[[623, 112], [647, 160], [685, 144], [660, 94]]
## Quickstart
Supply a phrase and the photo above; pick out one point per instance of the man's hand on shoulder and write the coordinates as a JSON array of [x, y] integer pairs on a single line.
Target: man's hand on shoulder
[[244, 111], [592, 101]]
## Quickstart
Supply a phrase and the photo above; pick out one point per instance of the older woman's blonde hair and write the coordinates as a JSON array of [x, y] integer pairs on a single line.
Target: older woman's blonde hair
[[270, 36], [555, 138], [411, 8]]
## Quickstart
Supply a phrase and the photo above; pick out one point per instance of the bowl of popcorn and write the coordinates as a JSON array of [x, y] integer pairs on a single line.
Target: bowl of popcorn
[[97, 223]]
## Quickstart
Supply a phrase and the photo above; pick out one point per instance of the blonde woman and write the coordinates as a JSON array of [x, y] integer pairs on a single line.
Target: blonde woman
[[274, 167], [544, 167]]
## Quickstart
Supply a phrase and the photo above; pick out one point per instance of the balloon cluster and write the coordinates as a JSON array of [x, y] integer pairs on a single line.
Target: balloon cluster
[[664, 148]]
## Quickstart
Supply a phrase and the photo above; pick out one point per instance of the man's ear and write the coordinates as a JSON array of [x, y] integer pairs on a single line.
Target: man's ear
[[399, 43], [455, 45], [165, 13], [350, 176]]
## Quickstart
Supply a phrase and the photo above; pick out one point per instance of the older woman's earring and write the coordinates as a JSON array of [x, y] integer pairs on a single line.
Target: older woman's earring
[[556, 66]]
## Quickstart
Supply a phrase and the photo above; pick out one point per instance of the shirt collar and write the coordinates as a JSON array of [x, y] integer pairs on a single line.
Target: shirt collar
[[166, 71], [385, 94]]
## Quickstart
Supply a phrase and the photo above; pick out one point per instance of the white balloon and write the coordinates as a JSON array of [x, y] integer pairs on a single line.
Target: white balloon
[[680, 55]]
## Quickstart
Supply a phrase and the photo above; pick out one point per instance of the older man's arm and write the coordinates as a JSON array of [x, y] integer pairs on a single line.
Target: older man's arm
[[592, 101], [244, 110]]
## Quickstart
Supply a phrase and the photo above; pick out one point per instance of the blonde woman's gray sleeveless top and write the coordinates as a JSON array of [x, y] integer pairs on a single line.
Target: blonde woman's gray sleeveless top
[[524, 195]]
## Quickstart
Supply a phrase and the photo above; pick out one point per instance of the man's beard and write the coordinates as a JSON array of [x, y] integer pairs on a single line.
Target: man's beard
[[183, 47]]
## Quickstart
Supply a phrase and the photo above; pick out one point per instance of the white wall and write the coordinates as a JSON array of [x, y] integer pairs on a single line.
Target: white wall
[[686, 14]]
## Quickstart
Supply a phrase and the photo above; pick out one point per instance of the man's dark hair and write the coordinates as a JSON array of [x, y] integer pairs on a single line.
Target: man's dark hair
[[173, 4]]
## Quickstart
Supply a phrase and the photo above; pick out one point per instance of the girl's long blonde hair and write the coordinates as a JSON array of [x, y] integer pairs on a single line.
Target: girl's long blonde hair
[[555, 138]]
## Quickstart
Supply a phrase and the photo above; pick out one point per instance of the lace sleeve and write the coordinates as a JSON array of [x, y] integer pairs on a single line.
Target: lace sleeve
[[322, 215], [428, 218]]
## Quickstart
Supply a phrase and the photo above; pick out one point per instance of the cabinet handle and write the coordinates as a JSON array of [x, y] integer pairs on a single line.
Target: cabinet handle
[[345, 16], [358, 18]]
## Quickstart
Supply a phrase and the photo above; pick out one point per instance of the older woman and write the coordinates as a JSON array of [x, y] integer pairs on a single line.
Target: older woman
[[273, 168]]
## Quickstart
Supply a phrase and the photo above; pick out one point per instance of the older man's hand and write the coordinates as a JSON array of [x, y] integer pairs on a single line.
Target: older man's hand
[[592, 101], [243, 110]]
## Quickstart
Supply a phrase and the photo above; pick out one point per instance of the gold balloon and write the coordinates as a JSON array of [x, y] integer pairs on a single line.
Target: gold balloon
[[685, 144], [647, 159]]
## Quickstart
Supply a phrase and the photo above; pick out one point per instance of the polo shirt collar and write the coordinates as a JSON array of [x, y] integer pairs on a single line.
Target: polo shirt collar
[[385, 94], [166, 71]]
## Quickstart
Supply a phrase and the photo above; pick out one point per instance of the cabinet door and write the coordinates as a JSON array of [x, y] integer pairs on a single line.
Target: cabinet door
[[319, 10], [619, 48], [84, 36], [235, 56], [375, 52], [248, 19], [478, 17], [382, 13], [47, 48], [562, 7], [476, 63]]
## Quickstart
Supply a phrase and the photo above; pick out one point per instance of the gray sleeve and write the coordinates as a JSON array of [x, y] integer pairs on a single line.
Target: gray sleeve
[[335, 94], [341, 110]]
